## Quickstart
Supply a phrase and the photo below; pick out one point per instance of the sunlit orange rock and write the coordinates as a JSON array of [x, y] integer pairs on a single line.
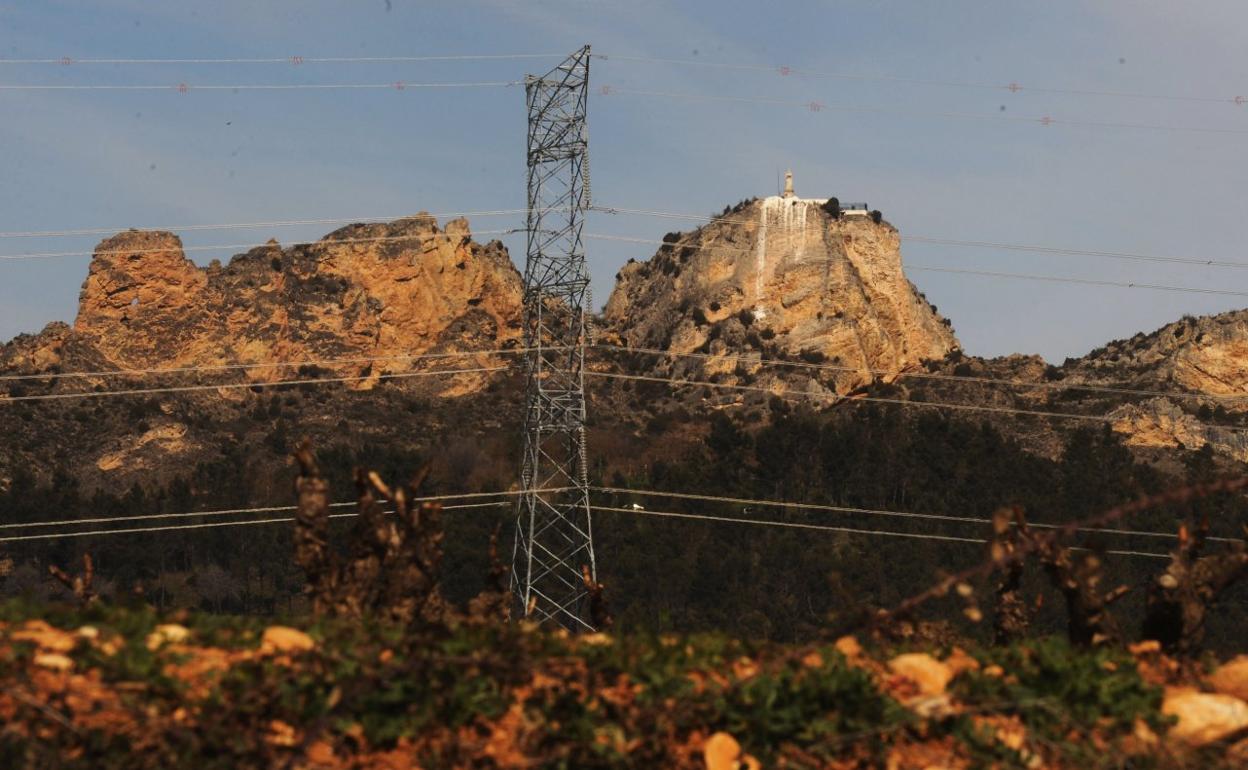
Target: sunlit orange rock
[[53, 660], [167, 633], [285, 639], [1231, 678], [1203, 717], [722, 752], [44, 636], [931, 675]]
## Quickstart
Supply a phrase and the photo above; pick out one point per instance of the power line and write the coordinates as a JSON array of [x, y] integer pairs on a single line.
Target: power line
[[664, 514], [830, 528], [295, 60], [817, 106], [973, 244], [256, 225], [267, 365], [203, 525], [1012, 87], [1076, 252], [901, 373], [249, 246], [908, 266], [1080, 281], [265, 509], [1023, 276], [880, 512], [881, 400], [237, 385], [184, 88]]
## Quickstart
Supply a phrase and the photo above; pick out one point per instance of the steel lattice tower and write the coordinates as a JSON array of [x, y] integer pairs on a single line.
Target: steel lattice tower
[[553, 533]]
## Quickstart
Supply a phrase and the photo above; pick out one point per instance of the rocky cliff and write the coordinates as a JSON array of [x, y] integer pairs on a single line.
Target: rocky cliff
[[375, 291], [780, 277], [1198, 368], [1206, 355]]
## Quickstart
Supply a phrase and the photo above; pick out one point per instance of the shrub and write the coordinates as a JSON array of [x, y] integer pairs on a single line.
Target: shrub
[[659, 423], [311, 371]]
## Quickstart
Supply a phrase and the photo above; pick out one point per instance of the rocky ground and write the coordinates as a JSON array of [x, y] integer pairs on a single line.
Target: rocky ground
[[123, 688]]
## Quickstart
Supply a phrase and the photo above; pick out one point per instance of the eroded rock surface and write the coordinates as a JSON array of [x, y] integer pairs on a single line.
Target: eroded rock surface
[[780, 278], [376, 291]]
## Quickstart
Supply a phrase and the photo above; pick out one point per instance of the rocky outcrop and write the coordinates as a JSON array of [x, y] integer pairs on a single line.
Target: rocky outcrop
[[378, 291], [1198, 370], [1206, 355], [780, 278], [1161, 423]]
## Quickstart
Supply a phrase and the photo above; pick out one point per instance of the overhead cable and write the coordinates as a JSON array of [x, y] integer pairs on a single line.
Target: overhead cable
[[879, 512], [818, 106], [264, 509], [258, 225], [775, 391], [1093, 387], [830, 528], [1040, 249], [1012, 87], [294, 60], [271, 364], [248, 385], [203, 525], [936, 269], [324, 242], [184, 88]]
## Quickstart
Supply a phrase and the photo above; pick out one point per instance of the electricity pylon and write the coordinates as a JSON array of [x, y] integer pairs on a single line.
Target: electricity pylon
[[554, 537]]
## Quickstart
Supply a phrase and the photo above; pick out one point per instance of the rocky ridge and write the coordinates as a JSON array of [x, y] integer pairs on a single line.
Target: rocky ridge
[[368, 291], [1206, 357], [781, 280]]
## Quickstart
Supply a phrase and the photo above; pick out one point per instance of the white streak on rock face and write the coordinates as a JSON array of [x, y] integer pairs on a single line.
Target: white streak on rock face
[[790, 216], [838, 289], [760, 248]]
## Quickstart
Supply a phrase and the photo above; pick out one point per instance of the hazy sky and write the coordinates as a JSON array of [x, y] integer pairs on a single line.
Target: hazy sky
[[91, 159]]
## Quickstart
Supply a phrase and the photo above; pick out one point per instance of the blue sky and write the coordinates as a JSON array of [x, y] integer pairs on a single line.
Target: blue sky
[[86, 159]]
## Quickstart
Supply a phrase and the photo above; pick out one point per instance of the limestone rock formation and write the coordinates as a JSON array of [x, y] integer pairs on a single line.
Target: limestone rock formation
[[365, 291], [1207, 355], [780, 277]]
